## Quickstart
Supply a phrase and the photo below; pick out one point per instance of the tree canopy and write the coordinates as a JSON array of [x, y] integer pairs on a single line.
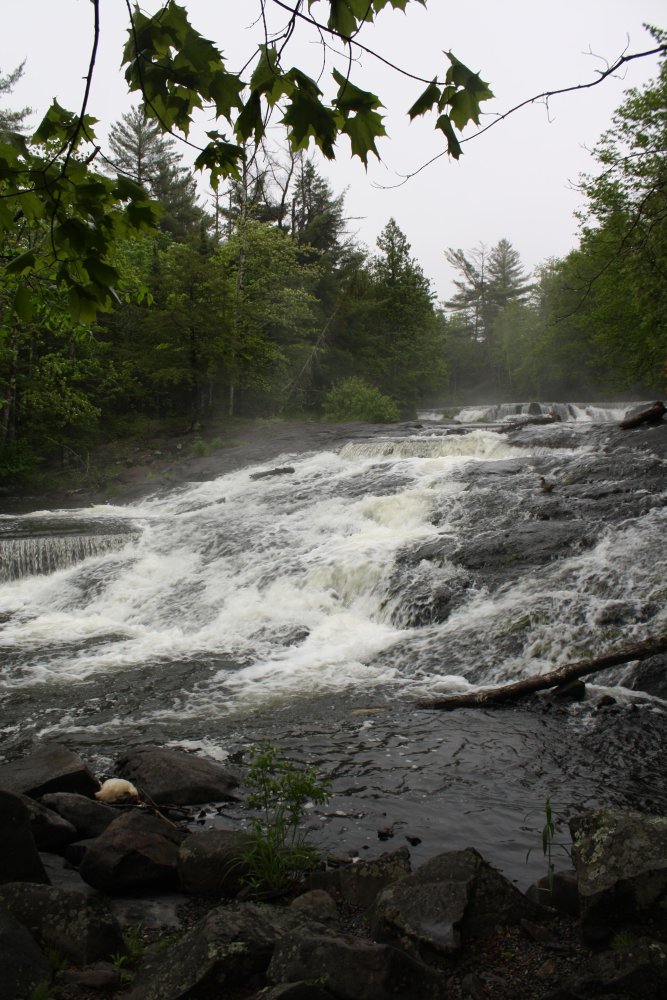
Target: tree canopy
[[51, 179]]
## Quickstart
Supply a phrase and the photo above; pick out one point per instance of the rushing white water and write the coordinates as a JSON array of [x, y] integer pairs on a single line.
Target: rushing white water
[[272, 589], [507, 412]]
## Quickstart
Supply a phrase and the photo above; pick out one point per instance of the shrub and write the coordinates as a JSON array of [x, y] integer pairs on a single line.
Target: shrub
[[278, 853], [354, 399]]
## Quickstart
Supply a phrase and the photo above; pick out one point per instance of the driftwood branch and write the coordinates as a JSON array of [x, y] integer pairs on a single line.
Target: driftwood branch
[[568, 672]]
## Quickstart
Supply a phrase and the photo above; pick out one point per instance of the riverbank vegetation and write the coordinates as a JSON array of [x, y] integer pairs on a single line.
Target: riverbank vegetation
[[256, 300]]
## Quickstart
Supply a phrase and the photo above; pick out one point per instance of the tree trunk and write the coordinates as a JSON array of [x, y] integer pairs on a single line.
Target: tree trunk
[[568, 672]]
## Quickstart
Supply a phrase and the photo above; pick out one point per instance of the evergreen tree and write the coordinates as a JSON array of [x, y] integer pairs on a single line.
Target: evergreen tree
[[403, 352], [316, 214], [471, 302], [508, 281], [139, 149], [141, 152], [12, 120]]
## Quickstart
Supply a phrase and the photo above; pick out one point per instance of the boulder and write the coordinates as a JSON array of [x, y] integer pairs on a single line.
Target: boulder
[[454, 897], [637, 970], [50, 831], [621, 863], [293, 991], [19, 860], [160, 913], [354, 969], [318, 905], [175, 777], [101, 977], [651, 677], [209, 862], [23, 966], [52, 768], [360, 884], [560, 892], [230, 947], [79, 927], [90, 818], [62, 874], [528, 543], [136, 852]]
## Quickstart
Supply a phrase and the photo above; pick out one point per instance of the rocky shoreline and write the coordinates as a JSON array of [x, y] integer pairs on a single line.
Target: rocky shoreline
[[139, 900]]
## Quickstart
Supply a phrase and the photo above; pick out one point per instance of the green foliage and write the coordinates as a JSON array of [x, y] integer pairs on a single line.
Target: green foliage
[[623, 940], [281, 792], [50, 188], [595, 321], [40, 992], [125, 962], [354, 399]]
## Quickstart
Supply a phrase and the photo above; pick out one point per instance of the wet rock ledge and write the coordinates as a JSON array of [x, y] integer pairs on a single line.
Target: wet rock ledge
[[100, 900]]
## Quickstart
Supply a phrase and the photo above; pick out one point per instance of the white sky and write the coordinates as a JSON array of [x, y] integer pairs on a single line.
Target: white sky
[[514, 182]]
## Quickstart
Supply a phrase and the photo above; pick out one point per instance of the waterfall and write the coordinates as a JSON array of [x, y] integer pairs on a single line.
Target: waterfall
[[26, 556], [508, 412]]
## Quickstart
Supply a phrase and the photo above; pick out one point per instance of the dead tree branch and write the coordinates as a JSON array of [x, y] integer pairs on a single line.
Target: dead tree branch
[[561, 675]]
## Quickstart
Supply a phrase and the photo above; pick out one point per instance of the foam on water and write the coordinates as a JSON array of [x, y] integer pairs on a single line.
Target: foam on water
[[287, 586], [507, 412]]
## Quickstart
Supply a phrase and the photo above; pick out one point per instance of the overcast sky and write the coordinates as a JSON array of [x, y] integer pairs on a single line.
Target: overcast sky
[[516, 181]]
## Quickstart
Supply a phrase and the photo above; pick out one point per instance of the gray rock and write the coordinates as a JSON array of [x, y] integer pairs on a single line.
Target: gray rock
[[90, 818], [318, 905], [285, 470], [23, 966], [19, 860], [562, 894], [621, 863], [101, 977], [353, 969], [50, 831], [637, 970], [79, 927], [174, 777], [209, 862], [76, 852], [159, 913], [136, 852], [360, 884], [293, 991], [52, 768], [528, 543], [651, 677], [61, 873], [230, 946], [454, 897]]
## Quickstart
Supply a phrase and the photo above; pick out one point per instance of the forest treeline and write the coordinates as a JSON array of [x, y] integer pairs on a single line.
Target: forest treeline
[[257, 300]]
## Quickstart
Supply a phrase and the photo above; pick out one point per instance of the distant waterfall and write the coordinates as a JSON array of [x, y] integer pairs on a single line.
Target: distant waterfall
[[502, 412]]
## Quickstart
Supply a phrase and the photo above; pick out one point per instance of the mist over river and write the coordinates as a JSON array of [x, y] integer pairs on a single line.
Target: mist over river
[[315, 606]]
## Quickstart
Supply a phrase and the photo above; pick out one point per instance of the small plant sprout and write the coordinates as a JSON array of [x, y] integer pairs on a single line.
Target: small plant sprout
[[549, 844], [281, 793], [548, 834]]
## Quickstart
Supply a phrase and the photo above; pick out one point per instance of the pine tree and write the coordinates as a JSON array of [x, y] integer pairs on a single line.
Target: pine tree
[[508, 281], [141, 152], [139, 148], [471, 300], [316, 214], [12, 120]]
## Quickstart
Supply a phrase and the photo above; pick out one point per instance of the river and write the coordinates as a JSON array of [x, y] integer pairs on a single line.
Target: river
[[313, 607]]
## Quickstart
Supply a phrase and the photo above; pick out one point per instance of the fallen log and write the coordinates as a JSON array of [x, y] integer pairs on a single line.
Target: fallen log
[[554, 678], [653, 415], [285, 470]]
